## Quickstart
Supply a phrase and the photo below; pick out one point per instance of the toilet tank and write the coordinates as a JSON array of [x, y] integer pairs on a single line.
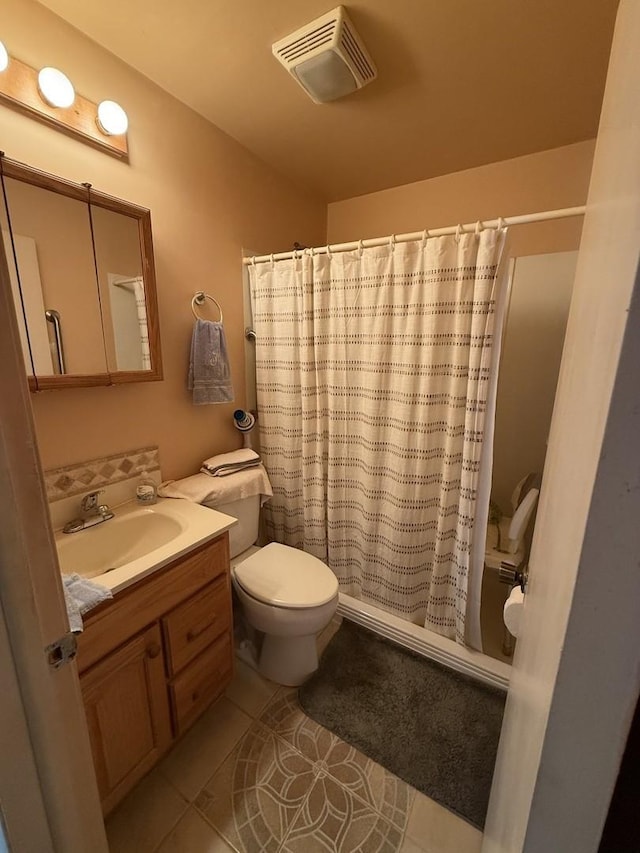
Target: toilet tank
[[244, 534]]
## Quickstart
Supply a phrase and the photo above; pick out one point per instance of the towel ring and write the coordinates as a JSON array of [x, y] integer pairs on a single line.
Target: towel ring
[[199, 299]]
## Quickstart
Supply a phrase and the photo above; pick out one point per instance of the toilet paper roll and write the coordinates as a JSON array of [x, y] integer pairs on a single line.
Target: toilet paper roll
[[512, 613]]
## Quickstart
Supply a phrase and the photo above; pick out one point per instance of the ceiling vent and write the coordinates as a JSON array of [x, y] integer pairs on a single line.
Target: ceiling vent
[[327, 57]]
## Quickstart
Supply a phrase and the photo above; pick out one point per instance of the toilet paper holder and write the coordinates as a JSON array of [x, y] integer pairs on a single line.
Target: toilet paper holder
[[514, 575]]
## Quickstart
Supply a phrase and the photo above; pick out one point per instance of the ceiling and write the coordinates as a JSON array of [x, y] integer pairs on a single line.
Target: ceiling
[[460, 82]]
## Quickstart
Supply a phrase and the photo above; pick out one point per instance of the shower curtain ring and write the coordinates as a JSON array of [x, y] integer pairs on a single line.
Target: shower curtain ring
[[501, 223], [360, 248], [478, 227], [392, 241], [425, 237], [458, 233], [272, 261], [328, 248]]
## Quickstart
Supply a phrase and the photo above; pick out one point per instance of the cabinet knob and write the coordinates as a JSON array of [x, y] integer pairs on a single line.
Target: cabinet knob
[[194, 633], [153, 650]]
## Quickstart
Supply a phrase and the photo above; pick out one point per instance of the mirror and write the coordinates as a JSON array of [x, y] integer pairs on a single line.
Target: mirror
[[51, 240], [121, 287], [82, 271]]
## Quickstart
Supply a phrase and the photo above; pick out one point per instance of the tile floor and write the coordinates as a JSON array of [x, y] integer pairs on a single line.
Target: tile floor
[[256, 774]]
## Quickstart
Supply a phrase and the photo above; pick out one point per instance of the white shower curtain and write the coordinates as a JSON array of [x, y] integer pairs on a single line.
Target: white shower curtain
[[141, 311], [373, 373]]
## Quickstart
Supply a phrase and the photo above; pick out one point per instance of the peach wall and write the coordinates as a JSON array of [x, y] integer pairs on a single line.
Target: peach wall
[[543, 181], [208, 197]]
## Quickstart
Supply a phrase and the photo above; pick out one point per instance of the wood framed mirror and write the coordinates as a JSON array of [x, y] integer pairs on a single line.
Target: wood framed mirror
[[83, 279]]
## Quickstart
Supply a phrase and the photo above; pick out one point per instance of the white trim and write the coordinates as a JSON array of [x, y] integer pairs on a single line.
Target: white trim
[[426, 643], [522, 219]]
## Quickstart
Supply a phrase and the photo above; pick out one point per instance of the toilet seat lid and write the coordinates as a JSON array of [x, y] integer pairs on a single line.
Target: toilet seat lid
[[286, 577]]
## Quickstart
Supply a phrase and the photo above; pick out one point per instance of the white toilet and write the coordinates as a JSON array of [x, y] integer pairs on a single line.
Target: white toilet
[[285, 593]]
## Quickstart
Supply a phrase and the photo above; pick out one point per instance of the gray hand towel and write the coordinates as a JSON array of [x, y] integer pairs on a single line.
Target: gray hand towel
[[209, 374]]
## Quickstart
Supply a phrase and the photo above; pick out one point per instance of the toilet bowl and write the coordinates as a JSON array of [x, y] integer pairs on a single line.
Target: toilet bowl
[[286, 594], [290, 596]]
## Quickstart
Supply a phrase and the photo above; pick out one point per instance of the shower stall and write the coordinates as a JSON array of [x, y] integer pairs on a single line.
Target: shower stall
[[376, 376]]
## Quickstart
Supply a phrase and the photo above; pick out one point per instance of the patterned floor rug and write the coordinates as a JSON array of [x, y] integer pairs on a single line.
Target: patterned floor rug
[[433, 727]]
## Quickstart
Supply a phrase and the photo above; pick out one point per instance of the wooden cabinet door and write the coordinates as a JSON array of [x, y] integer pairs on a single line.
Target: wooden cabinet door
[[127, 707]]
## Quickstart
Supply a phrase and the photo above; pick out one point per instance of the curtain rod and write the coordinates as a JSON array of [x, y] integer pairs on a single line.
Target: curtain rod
[[524, 219]]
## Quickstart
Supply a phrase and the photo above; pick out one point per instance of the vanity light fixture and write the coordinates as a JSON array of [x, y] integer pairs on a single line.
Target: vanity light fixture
[[56, 88], [49, 96], [112, 119]]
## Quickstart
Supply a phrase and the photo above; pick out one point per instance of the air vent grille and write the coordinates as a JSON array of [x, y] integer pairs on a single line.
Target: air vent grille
[[326, 57], [308, 42], [351, 47]]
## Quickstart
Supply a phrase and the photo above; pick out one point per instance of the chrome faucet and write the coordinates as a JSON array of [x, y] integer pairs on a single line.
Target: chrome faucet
[[92, 513]]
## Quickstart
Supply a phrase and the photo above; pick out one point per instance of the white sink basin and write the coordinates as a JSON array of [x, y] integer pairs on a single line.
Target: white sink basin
[[138, 540]]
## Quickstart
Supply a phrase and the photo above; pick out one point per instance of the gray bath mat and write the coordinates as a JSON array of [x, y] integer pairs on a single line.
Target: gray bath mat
[[434, 728]]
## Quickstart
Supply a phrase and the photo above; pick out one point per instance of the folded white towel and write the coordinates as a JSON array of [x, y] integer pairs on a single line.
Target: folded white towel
[[203, 487], [229, 468], [82, 595], [235, 457], [230, 463]]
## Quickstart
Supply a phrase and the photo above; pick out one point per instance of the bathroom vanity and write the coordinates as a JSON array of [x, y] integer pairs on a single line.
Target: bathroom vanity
[[151, 660]]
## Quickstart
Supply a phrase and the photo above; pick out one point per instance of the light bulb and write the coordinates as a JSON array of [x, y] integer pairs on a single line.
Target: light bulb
[[55, 87], [112, 119], [4, 57]]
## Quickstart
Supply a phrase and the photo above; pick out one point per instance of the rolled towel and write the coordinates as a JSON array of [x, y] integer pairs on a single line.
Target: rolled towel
[[230, 463]]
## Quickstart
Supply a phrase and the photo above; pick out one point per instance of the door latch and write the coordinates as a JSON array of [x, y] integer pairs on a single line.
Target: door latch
[[62, 651]]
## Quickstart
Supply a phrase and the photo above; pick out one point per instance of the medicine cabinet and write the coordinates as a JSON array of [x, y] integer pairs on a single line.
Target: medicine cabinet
[[83, 280]]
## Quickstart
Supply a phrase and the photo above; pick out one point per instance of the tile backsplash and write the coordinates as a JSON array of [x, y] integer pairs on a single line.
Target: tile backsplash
[[82, 477]]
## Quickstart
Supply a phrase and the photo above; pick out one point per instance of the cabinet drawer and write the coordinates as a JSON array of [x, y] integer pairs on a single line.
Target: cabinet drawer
[[200, 683], [194, 625]]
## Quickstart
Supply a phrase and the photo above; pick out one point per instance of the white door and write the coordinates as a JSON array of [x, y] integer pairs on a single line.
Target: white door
[[576, 672], [23, 819], [48, 791]]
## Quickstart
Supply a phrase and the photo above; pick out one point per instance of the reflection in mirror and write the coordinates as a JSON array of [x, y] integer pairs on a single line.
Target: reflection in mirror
[[120, 279], [47, 237], [37, 350]]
